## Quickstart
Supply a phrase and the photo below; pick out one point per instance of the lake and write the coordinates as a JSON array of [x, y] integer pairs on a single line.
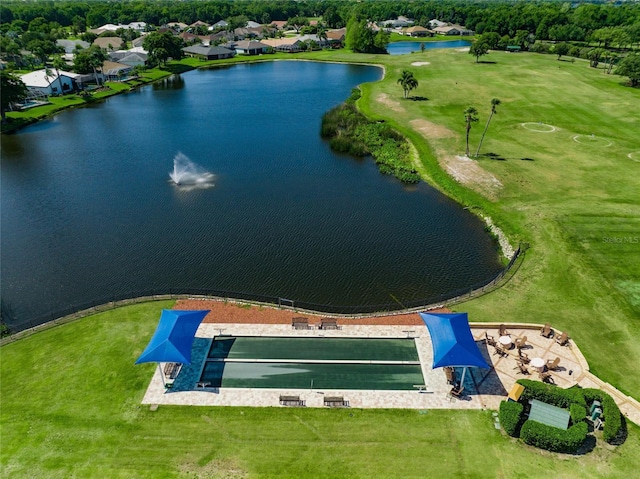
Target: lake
[[402, 48], [89, 213]]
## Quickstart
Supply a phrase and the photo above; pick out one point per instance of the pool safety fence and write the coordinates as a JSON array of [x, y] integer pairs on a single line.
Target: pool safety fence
[[18, 327]]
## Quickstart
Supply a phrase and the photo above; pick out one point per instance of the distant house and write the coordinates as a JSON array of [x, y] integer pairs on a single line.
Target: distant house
[[49, 83], [110, 27], [250, 47], [322, 43], [279, 24], [251, 24], [287, 45], [336, 37], [199, 23], [137, 42], [70, 45], [129, 57], [400, 22], [451, 30], [219, 25], [418, 31], [177, 26], [208, 53], [436, 23], [109, 43]]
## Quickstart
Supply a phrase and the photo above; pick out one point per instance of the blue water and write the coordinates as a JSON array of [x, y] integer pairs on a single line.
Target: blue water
[[401, 48], [88, 211]]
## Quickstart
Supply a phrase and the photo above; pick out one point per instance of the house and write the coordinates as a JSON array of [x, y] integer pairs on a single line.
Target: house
[[114, 71], [418, 31], [137, 42], [70, 45], [129, 57], [279, 24], [321, 42], [287, 45], [189, 37], [199, 23], [450, 30], [208, 53], [109, 43], [219, 25], [177, 26], [43, 82], [251, 24], [250, 47], [336, 37], [400, 22], [436, 23]]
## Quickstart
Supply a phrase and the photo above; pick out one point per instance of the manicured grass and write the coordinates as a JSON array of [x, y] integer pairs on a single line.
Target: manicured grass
[[71, 408]]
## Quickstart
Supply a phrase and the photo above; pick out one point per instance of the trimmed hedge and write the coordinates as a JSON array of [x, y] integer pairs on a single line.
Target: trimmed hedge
[[553, 439], [550, 394], [610, 413], [511, 414], [578, 413]]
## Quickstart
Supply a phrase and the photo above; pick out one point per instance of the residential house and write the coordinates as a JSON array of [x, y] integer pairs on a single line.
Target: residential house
[[436, 23], [250, 47], [70, 45], [218, 25], [114, 71], [252, 24], [451, 30], [109, 43], [279, 24], [321, 42], [287, 45], [336, 37], [418, 31], [48, 82], [177, 26], [400, 22], [130, 57], [199, 23], [208, 53]]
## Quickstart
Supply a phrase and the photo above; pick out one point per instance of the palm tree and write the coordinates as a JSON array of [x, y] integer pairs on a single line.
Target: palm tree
[[494, 103], [408, 82], [469, 117], [58, 63], [321, 33]]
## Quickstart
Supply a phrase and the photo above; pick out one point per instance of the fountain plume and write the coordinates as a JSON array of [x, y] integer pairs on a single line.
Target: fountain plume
[[188, 175]]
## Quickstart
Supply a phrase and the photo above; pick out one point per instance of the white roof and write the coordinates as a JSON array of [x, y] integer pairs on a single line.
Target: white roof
[[40, 79]]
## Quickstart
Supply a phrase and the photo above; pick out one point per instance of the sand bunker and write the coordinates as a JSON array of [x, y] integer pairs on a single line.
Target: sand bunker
[[431, 130], [470, 173], [420, 64], [463, 50], [592, 140], [389, 103], [539, 127]]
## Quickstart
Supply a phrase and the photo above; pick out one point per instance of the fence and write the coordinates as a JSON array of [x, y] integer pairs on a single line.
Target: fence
[[103, 304]]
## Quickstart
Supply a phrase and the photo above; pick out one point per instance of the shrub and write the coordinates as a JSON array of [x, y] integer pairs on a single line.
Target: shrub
[[551, 394], [554, 439], [578, 413], [511, 415], [610, 412], [540, 48]]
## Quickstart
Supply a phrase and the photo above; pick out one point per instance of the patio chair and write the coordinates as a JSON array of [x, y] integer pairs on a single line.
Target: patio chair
[[490, 340], [546, 331], [522, 367], [523, 357], [500, 351], [546, 377], [503, 330], [451, 375], [563, 339], [521, 342], [553, 365], [456, 392]]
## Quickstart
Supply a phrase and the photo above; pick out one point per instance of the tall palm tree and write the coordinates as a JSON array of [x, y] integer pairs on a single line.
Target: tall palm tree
[[494, 103], [59, 64], [470, 115], [408, 82]]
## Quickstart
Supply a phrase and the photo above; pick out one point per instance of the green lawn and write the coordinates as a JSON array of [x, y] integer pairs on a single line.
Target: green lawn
[[71, 408]]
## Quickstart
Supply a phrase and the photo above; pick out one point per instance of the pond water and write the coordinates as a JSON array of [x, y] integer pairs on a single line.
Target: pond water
[[402, 48], [89, 211]]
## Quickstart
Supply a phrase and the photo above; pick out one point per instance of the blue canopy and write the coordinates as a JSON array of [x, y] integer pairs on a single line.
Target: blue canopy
[[173, 339], [453, 344]]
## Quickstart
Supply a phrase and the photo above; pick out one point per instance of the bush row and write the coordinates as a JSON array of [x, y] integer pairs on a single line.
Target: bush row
[[511, 414], [550, 394], [552, 438], [348, 131]]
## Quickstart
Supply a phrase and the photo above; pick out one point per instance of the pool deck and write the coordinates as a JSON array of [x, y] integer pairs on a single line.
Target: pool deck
[[484, 388]]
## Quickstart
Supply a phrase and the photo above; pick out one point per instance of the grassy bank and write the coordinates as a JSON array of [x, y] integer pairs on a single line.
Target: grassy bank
[[71, 408]]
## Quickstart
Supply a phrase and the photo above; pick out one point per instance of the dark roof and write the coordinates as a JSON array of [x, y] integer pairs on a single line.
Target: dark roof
[[208, 51]]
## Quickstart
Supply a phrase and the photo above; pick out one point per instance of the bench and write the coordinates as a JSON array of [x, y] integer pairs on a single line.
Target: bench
[[335, 401], [171, 370], [329, 324], [291, 401], [300, 323]]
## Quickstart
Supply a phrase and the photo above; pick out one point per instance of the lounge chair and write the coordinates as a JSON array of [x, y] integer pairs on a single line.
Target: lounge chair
[[490, 340], [563, 339], [503, 330], [546, 377], [524, 357], [451, 375], [500, 351], [456, 392], [553, 365], [522, 367], [546, 331], [521, 342]]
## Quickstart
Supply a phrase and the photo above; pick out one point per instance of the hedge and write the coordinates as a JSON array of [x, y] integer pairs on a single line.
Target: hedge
[[552, 438], [550, 394], [578, 413], [511, 414], [610, 412]]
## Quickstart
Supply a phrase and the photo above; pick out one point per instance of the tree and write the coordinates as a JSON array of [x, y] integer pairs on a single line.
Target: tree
[[594, 56], [408, 82], [479, 48], [59, 64], [89, 60], [494, 103], [470, 116], [630, 66], [561, 49], [13, 91], [162, 46]]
